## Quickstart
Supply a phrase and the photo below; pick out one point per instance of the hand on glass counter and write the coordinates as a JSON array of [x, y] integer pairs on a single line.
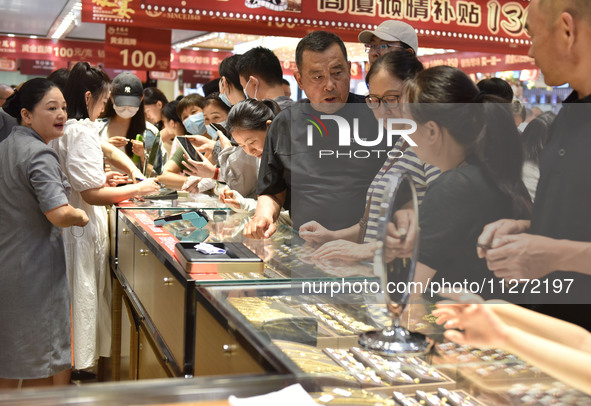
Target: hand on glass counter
[[230, 197], [314, 232], [259, 227], [344, 250], [147, 187], [191, 185]]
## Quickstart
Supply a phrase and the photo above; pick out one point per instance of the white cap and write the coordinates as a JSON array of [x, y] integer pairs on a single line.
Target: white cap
[[392, 30]]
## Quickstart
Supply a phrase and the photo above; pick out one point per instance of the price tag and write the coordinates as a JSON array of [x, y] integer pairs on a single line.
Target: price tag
[[137, 48]]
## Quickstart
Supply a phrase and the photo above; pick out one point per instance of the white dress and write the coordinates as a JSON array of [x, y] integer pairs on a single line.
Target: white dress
[[87, 249]]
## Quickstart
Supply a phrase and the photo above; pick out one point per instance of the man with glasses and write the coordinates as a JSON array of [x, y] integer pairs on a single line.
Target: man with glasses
[[389, 36]]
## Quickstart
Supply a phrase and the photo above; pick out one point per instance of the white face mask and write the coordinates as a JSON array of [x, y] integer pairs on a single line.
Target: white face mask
[[125, 111]]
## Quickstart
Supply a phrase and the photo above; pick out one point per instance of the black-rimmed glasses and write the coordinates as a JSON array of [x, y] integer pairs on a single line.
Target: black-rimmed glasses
[[389, 101], [381, 47]]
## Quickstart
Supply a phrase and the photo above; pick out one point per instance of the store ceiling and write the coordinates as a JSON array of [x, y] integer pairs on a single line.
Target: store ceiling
[[37, 17]]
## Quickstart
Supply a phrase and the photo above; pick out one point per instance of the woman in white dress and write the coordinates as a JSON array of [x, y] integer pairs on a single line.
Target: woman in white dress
[[81, 155]]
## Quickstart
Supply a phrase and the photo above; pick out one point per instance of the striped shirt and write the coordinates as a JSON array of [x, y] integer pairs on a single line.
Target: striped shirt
[[421, 173]]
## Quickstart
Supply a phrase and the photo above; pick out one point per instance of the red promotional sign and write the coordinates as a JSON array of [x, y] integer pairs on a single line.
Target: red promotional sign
[[8, 64], [40, 67], [129, 47], [476, 62], [193, 77], [46, 49], [198, 60], [170, 76], [458, 24]]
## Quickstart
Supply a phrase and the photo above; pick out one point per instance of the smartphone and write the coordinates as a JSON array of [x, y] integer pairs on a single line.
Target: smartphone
[[219, 127], [188, 148]]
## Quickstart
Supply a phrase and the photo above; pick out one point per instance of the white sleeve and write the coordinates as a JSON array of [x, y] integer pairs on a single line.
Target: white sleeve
[[83, 158]]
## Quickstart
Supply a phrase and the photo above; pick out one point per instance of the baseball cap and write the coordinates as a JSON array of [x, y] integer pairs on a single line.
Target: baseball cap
[[392, 30], [127, 90]]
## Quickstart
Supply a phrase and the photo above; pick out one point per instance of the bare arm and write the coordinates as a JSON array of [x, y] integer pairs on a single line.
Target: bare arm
[[120, 160], [67, 216], [565, 363], [539, 324], [483, 327], [171, 176], [573, 255], [110, 195]]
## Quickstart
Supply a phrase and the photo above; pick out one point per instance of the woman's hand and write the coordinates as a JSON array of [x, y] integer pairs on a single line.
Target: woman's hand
[[204, 169], [230, 197], [118, 142], [314, 232], [138, 148], [191, 185], [472, 321], [147, 187], [224, 141], [202, 144], [116, 178]]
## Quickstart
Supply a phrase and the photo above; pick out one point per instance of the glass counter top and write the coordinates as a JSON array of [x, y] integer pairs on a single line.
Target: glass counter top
[[316, 335], [285, 255]]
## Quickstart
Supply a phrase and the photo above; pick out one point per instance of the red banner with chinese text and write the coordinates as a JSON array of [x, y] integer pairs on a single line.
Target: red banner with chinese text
[[476, 62], [497, 25], [198, 60], [62, 52], [137, 48]]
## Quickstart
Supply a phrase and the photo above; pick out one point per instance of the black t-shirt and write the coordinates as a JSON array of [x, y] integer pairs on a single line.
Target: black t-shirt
[[306, 154], [455, 209], [562, 207]]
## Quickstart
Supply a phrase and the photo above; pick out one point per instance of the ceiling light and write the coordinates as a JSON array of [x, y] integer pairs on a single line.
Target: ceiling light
[[196, 40], [67, 20]]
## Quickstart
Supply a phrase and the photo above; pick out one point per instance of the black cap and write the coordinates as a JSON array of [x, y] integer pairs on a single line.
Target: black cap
[[127, 90]]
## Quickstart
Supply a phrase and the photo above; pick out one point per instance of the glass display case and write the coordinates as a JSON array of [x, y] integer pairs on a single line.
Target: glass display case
[[153, 259], [309, 334]]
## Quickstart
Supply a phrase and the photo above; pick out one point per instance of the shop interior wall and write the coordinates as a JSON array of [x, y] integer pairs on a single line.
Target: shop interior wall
[[13, 78]]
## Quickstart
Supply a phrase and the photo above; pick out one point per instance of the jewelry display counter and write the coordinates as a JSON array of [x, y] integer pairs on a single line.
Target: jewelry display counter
[[277, 320], [286, 317], [157, 321]]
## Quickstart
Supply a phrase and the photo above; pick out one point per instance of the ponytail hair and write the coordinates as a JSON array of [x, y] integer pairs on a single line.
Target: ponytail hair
[[27, 96], [480, 122], [84, 78], [252, 114]]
